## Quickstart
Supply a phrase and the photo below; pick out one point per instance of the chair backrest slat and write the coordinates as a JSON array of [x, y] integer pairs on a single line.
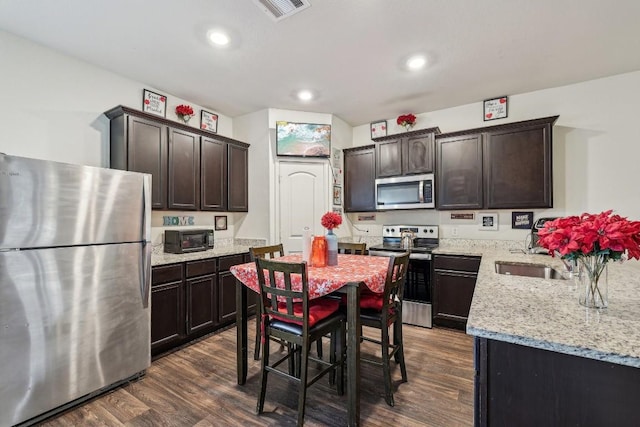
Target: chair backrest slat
[[280, 288], [396, 275], [270, 252], [352, 248]]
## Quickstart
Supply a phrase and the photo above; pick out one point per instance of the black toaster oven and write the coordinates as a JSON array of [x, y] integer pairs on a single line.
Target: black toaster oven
[[185, 241]]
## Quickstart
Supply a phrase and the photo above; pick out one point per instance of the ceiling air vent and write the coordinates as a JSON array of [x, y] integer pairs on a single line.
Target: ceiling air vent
[[280, 9]]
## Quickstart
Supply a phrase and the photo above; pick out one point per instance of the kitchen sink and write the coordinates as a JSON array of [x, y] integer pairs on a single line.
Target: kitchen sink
[[529, 270]]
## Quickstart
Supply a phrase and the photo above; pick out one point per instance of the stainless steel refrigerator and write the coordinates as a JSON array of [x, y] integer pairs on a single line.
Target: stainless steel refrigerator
[[75, 265]]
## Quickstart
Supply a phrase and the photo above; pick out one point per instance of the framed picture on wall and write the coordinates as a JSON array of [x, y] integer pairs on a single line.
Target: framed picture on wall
[[208, 121], [521, 220], [337, 195], [221, 222], [495, 108], [154, 103], [378, 129], [488, 221]]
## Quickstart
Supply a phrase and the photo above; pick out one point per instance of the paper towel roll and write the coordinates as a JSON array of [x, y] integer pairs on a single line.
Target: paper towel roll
[[306, 244]]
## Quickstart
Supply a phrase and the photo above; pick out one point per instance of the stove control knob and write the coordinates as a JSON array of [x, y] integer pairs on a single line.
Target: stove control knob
[[431, 230]]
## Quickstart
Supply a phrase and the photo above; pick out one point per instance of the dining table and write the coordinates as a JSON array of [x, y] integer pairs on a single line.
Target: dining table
[[352, 274]]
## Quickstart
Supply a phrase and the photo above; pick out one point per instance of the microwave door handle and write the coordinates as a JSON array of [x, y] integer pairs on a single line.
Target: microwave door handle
[[421, 191]]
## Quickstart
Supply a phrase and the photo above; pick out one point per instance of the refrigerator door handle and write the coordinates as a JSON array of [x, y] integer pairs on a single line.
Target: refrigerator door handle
[[145, 274], [146, 214]]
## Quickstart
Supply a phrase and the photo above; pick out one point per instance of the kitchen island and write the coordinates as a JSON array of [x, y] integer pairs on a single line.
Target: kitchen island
[[543, 359]]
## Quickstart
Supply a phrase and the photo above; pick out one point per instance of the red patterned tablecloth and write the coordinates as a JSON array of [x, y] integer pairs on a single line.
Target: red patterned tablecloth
[[372, 270]]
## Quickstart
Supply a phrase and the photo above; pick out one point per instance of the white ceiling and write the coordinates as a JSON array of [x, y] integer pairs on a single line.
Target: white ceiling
[[348, 51]]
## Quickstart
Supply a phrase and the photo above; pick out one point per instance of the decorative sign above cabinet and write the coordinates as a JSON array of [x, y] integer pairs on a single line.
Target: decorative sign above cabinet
[[154, 103], [495, 108]]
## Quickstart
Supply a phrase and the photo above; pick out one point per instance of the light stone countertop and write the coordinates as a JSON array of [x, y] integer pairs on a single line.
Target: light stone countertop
[[545, 313], [161, 258]]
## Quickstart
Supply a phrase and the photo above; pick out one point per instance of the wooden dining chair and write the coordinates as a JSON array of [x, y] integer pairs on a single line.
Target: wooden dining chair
[[381, 311], [289, 315], [270, 252], [352, 248]]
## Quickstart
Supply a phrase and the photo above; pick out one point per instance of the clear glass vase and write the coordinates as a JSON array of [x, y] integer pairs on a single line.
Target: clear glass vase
[[594, 282]]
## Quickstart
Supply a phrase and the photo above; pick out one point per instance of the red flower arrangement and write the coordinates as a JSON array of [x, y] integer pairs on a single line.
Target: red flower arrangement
[[604, 234], [184, 112], [592, 241], [406, 120], [331, 220]]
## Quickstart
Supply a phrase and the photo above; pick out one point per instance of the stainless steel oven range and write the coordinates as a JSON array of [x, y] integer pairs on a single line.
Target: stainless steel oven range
[[419, 241]]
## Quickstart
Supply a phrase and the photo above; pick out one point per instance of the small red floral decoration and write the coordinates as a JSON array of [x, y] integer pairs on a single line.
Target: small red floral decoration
[[184, 110], [406, 120], [331, 220], [604, 235]]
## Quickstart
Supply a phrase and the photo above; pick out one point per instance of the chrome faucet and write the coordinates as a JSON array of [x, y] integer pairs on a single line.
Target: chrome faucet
[[570, 266]]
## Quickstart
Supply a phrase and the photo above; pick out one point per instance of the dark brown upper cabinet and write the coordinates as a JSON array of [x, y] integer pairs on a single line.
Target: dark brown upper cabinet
[[359, 179], [518, 166], [191, 169], [238, 160], [405, 154], [148, 154], [459, 172], [498, 167], [184, 170], [213, 174]]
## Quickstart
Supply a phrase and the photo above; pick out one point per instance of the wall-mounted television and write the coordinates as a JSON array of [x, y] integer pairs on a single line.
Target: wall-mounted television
[[303, 139]]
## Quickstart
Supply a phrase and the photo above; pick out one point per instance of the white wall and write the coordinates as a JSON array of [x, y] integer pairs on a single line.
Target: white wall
[[596, 147], [52, 109], [254, 129]]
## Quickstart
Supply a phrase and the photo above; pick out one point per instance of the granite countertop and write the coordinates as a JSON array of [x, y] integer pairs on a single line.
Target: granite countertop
[[158, 257], [545, 313]]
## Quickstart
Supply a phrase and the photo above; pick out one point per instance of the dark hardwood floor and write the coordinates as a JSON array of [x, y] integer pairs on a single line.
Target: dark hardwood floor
[[196, 386]]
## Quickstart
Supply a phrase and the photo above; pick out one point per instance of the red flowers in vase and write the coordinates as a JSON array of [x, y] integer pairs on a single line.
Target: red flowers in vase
[[331, 220], [406, 120], [604, 234], [184, 112]]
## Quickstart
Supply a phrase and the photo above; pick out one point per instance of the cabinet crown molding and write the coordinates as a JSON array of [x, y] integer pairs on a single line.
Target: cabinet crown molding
[[544, 120], [121, 109], [434, 130]]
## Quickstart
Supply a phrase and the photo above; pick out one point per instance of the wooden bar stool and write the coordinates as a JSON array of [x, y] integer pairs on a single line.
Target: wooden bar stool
[[290, 316]]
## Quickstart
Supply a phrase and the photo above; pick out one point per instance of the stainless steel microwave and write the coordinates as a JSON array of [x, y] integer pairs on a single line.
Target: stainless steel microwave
[[185, 241], [405, 192]]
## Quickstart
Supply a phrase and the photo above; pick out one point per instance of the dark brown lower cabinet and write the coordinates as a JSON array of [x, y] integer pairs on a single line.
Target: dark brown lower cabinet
[[454, 280], [227, 286], [201, 307], [192, 299], [524, 386], [167, 307]]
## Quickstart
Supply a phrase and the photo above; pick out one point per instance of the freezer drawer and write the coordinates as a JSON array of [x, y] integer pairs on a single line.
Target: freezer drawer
[[73, 320]]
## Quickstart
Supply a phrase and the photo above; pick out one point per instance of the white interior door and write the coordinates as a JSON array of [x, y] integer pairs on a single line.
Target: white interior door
[[304, 198]]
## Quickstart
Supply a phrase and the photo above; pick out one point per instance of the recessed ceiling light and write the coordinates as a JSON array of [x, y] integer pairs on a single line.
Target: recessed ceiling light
[[416, 62], [218, 38], [305, 95]]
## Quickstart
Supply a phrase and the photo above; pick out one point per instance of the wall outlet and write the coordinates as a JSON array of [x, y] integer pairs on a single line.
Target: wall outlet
[[454, 231]]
